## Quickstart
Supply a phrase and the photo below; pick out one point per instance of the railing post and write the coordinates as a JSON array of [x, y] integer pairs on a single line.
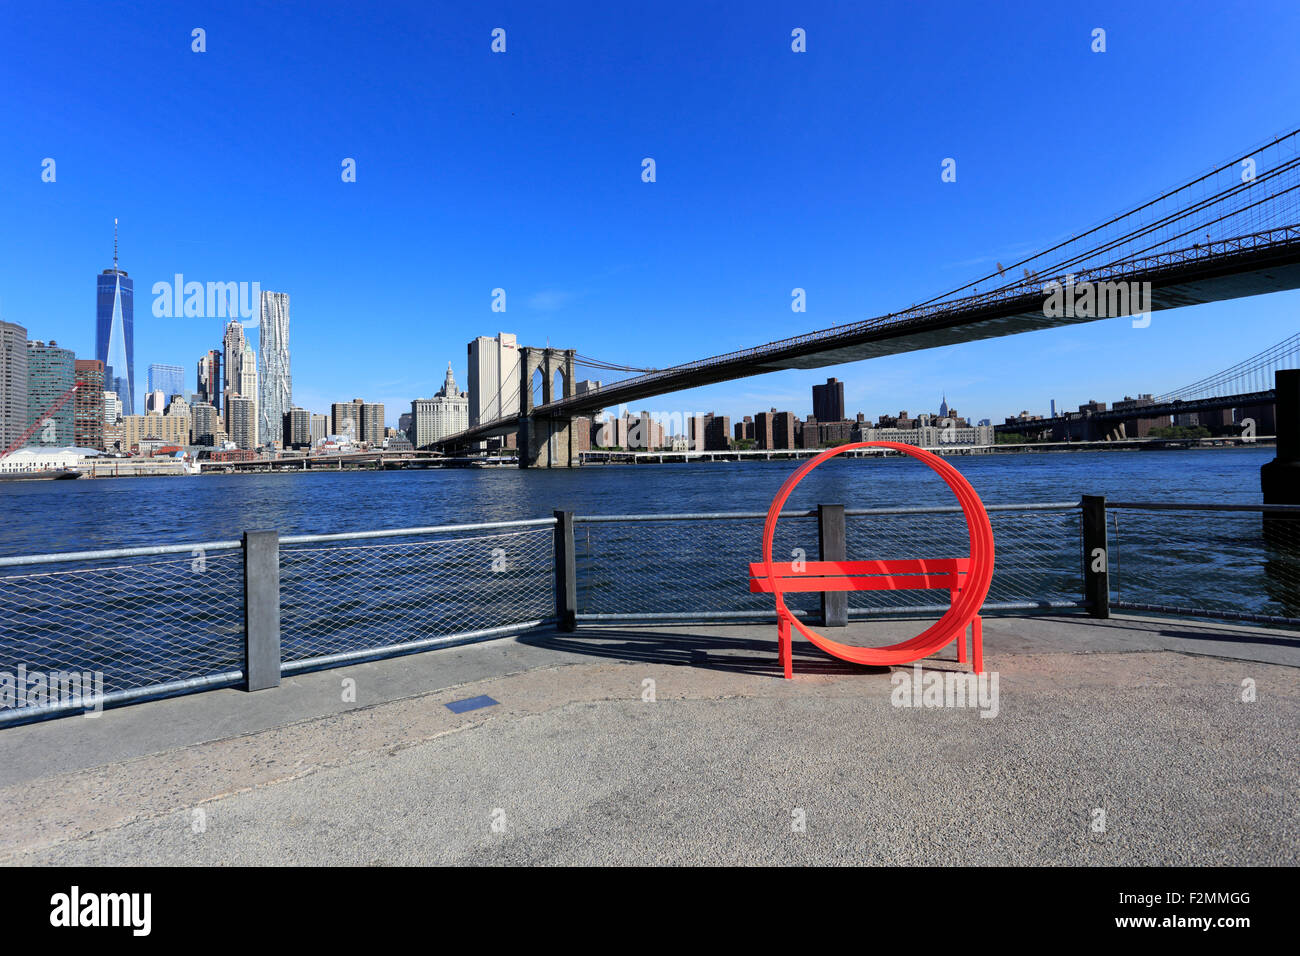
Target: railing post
[[566, 580], [1096, 556], [831, 539], [261, 609]]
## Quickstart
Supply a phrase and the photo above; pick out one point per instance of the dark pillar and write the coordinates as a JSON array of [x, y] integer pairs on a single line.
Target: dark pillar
[[1279, 479], [831, 537], [1096, 556], [261, 609], [566, 579]]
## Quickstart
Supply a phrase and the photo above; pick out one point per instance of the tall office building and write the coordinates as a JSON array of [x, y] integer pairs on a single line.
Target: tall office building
[[275, 394], [493, 378], [241, 421], [88, 409], [115, 330], [247, 389], [232, 348], [445, 414], [209, 378], [372, 422], [320, 426], [13, 383], [297, 428], [828, 401], [154, 402], [168, 379], [204, 424], [51, 373], [345, 419]]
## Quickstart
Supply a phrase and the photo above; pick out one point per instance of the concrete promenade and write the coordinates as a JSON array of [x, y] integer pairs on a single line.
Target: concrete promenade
[[1139, 717]]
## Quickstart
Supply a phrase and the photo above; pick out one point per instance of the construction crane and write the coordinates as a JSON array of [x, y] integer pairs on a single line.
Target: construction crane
[[41, 419]]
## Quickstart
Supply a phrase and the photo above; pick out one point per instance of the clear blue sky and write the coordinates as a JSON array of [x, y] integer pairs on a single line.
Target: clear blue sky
[[522, 171]]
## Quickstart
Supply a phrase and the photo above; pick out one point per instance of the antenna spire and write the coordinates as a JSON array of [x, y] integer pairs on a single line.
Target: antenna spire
[[115, 244]]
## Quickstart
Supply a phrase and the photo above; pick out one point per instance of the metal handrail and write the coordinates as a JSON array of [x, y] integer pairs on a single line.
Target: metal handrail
[[1195, 506], [64, 556]]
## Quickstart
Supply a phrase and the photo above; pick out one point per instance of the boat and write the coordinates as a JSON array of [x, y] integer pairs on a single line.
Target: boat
[[55, 474]]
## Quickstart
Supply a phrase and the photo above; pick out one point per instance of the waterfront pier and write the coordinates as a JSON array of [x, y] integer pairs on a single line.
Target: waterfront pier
[[583, 688]]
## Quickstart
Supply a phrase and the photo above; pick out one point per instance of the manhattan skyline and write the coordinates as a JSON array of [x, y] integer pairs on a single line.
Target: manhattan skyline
[[539, 190]]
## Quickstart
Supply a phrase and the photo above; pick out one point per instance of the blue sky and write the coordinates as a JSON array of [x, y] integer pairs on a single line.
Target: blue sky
[[522, 171]]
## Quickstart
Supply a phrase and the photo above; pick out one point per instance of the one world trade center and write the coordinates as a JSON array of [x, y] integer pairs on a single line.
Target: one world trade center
[[115, 331]]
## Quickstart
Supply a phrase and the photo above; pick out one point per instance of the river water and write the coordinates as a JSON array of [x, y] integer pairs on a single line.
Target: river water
[[44, 516]]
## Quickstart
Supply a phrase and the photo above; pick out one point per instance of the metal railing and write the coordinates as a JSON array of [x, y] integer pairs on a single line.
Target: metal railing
[[173, 619], [694, 567], [1224, 561], [159, 621]]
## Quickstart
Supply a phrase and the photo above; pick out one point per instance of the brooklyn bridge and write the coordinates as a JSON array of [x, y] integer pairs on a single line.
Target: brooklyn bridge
[[1229, 233]]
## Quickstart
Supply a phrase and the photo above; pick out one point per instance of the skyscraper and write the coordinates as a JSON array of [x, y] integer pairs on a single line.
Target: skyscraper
[[88, 411], [828, 401], [204, 424], [232, 344], [168, 379], [493, 378], [13, 383], [51, 374], [241, 421], [248, 390], [297, 428], [275, 394], [115, 331], [209, 378]]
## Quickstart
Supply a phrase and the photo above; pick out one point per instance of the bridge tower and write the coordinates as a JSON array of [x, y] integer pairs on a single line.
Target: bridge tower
[[547, 441]]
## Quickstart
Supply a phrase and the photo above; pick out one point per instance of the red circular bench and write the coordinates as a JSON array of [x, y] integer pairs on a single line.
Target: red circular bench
[[967, 579]]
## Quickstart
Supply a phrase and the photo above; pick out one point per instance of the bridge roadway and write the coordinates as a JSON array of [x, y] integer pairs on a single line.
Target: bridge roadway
[[1158, 410], [1136, 715], [1242, 266], [787, 454]]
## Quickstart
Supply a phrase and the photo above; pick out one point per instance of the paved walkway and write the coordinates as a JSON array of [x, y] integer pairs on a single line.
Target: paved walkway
[[1140, 718]]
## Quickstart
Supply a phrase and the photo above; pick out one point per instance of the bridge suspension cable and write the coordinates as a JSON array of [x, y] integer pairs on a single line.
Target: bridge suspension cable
[[1235, 187], [1254, 374]]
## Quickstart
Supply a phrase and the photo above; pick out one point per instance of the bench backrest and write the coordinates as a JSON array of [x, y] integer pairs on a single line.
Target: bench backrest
[[905, 574]]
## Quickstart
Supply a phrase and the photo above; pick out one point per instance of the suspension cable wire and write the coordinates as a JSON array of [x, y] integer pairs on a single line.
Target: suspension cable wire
[[1133, 212], [1273, 357]]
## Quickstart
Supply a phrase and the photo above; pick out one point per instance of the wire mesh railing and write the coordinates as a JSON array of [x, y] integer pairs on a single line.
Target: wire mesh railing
[[89, 629], [128, 625], [1224, 562], [342, 600], [696, 567]]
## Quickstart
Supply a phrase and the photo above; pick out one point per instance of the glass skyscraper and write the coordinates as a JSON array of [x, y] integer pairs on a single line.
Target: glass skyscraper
[[115, 331], [51, 374], [168, 379], [275, 392]]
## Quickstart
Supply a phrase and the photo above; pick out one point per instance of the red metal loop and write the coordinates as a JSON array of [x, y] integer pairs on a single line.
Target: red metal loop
[[975, 587]]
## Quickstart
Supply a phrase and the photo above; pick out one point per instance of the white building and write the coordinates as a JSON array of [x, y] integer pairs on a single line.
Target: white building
[[493, 378], [112, 408], [37, 459], [445, 414], [933, 433]]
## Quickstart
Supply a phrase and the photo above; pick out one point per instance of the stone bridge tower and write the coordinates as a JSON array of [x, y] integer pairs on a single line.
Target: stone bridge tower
[[546, 441]]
